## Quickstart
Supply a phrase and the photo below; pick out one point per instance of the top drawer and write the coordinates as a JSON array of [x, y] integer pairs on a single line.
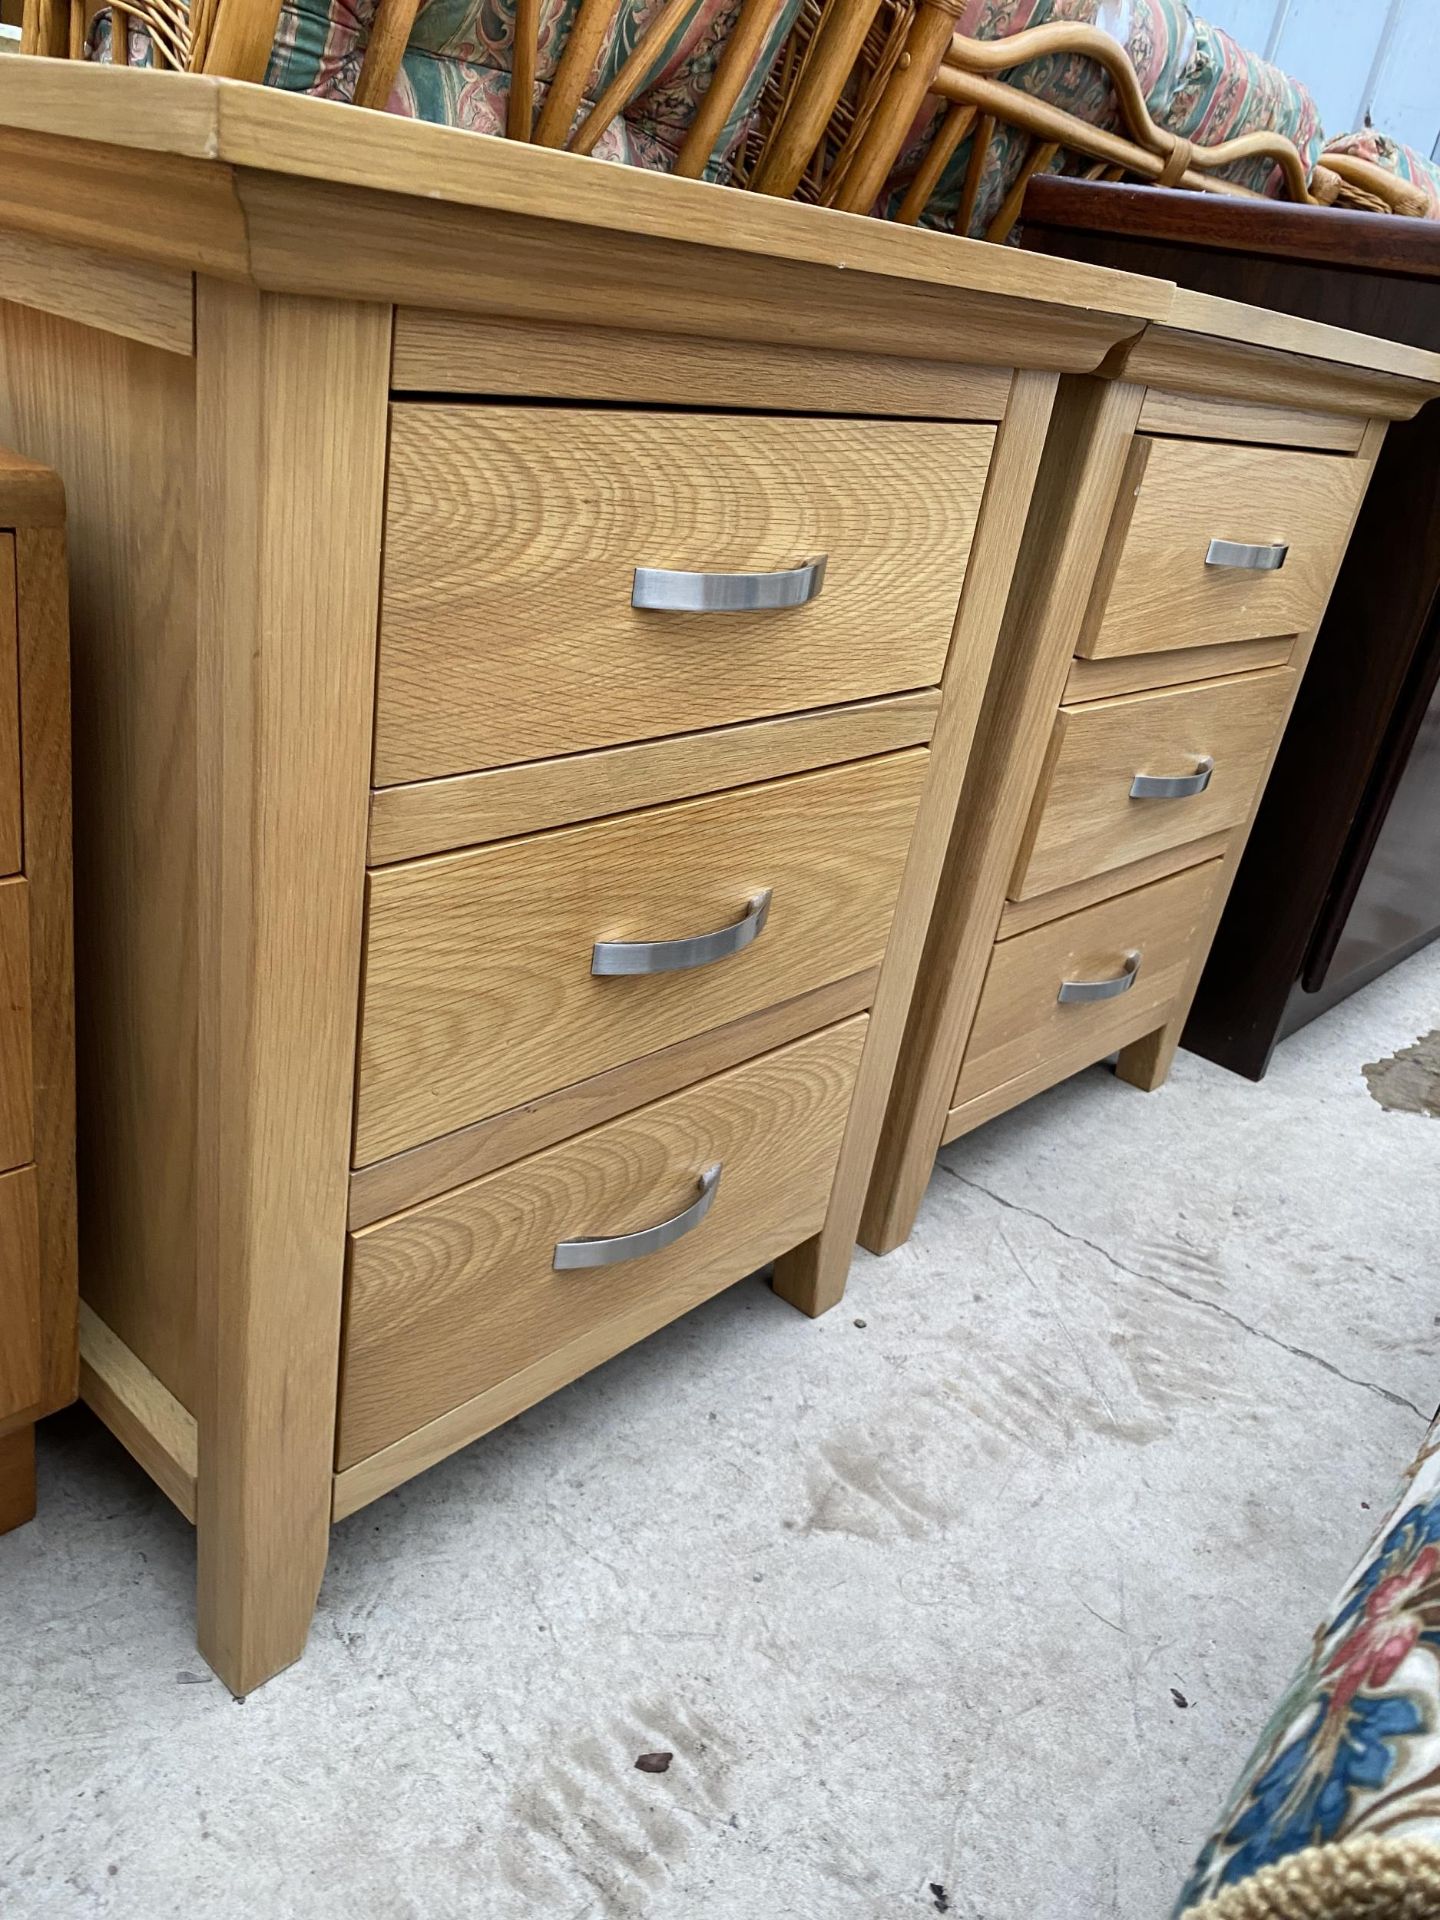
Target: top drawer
[[1154, 589], [507, 631]]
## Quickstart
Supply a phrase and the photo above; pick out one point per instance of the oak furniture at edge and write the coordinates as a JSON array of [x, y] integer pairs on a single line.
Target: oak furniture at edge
[[1341, 877], [244, 326], [1193, 506], [37, 1086]]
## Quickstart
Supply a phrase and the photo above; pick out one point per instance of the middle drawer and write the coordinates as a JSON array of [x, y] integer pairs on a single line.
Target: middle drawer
[[1196, 755], [479, 992]]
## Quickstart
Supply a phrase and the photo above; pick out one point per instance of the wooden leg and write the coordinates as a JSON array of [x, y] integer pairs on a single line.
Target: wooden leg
[[17, 1478], [1146, 1062], [812, 1277], [291, 404], [1090, 435]]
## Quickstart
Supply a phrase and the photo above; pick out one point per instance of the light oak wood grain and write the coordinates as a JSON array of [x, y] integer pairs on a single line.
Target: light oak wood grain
[[466, 353], [17, 1477], [141, 1412], [291, 442], [1202, 417], [222, 125], [1073, 503], [17, 1086], [449, 1300], [1153, 588], [1083, 821], [1020, 915], [155, 305], [512, 536], [310, 204], [177, 214], [42, 590], [812, 1276], [21, 1378], [1019, 1023], [1146, 1061], [31, 495], [478, 991], [10, 837], [433, 815], [1354, 379], [1139, 672], [405, 1179], [1209, 315], [117, 420]]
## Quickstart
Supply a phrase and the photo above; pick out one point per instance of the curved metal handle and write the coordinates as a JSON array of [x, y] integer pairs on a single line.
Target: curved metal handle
[[609, 1249], [677, 956], [1236, 553], [1173, 786], [1071, 990], [663, 590]]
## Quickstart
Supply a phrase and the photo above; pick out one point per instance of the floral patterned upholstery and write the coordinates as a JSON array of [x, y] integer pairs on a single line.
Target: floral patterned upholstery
[[1352, 1752], [1197, 82], [1404, 162]]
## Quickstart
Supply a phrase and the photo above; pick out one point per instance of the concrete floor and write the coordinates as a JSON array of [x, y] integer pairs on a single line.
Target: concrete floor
[[913, 1601]]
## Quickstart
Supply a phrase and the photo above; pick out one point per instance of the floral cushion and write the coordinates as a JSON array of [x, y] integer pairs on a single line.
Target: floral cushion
[[1227, 91], [1156, 34], [1197, 82], [1353, 1748], [1408, 165]]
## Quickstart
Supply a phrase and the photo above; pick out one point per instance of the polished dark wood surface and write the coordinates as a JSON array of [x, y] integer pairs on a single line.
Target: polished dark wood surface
[[1341, 878]]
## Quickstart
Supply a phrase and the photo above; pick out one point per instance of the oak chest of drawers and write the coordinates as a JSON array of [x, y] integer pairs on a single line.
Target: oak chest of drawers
[[538, 613], [37, 1085], [1191, 513]]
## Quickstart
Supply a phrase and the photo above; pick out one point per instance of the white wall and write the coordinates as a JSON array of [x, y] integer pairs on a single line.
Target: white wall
[[1356, 56]]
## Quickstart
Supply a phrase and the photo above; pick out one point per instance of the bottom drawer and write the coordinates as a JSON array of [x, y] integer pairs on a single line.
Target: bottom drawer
[[450, 1300], [1145, 940]]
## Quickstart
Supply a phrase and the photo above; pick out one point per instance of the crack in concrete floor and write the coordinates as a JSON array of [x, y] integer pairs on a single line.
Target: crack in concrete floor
[[1181, 1293]]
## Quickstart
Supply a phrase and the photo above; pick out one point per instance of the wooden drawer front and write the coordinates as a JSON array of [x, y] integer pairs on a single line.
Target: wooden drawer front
[[1084, 820], [21, 1378], [450, 1299], [17, 1132], [512, 536], [1021, 1022], [1154, 591], [10, 841], [478, 989]]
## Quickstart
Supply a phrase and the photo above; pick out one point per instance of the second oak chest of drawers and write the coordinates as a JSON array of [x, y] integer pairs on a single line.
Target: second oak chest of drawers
[[1190, 516]]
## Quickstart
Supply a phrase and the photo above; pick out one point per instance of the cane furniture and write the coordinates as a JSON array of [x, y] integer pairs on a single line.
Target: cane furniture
[[602, 893], [1341, 878], [37, 1082], [1191, 512]]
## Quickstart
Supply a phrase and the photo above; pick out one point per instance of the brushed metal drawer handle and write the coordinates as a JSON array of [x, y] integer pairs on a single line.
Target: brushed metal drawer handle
[[1173, 786], [609, 1249], [677, 956], [1072, 990], [1237, 553], [664, 590]]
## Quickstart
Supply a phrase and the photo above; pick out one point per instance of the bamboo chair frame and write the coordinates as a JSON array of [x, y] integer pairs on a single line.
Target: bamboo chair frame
[[853, 167]]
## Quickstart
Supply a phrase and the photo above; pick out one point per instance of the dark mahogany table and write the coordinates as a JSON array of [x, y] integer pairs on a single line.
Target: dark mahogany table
[[1341, 878]]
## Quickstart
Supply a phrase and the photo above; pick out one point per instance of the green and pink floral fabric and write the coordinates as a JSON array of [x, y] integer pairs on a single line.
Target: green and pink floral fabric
[[1353, 1748], [1404, 162], [1197, 81]]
